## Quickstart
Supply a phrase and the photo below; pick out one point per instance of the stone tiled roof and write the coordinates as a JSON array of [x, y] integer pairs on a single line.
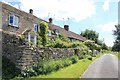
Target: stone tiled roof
[[69, 34]]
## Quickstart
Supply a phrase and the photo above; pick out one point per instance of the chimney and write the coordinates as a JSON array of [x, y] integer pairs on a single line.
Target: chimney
[[31, 11], [50, 20], [66, 27]]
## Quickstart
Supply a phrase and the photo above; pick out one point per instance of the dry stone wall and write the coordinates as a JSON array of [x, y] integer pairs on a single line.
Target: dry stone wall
[[23, 56]]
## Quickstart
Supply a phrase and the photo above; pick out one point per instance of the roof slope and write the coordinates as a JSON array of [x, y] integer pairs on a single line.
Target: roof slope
[[62, 31], [69, 34]]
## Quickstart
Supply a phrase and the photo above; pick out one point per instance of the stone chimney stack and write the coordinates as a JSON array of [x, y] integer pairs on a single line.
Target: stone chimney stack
[[31, 11], [50, 20], [66, 27]]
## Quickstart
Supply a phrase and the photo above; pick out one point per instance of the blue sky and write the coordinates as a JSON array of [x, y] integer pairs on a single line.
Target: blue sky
[[99, 15]]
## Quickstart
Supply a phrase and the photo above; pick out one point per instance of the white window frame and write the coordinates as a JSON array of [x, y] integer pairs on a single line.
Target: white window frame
[[49, 33], [57, 34], [35, 40], [15, 20], [36, 25]]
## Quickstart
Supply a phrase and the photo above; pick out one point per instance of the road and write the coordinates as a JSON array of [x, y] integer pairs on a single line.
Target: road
[[104, 67]]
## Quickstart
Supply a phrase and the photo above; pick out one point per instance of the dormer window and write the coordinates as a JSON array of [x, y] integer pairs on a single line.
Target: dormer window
[[13, 20], [36, 28]]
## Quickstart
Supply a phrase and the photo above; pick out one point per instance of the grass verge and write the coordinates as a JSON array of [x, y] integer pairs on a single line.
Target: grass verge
[[72, 71], [114, 53]]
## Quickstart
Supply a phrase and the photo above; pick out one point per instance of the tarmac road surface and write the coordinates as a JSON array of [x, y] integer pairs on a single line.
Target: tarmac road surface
[[104, 67]]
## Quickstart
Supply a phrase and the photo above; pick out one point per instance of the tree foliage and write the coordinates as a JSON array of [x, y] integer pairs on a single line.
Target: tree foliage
[[95, 43], [44, 33], [90, 34], [116, 46], [63, 38], [92, 45], [39, 39], [104, 46]]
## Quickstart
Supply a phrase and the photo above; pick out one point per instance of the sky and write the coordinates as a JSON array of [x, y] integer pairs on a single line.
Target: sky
[[98, 15]]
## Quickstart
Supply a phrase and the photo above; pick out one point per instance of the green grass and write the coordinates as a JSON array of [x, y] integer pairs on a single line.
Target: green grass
[[73, 71], [114, 53]]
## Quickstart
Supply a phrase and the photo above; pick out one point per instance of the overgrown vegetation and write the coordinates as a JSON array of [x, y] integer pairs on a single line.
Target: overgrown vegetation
[[39, 40], [46, 67], [92, 45], [63, 44], [9, 70], [44, 32], [93, 40], [111, 52], [72, 71]]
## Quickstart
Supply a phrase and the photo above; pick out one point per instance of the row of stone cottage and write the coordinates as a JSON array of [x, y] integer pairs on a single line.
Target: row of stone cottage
[[20, 22]]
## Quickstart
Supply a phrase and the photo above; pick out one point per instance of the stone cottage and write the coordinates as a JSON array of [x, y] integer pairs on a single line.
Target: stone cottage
[[18, 22]]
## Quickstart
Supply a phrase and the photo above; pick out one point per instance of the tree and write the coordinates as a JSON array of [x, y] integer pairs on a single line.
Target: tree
[[92, 46], [44, 32], [116, 33], [104, 46], [90, 34]]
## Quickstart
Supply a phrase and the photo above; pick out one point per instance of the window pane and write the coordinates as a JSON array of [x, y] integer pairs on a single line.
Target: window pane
[[49, 33], [11, 17], [11, 21], [16, 21], [36, 27]]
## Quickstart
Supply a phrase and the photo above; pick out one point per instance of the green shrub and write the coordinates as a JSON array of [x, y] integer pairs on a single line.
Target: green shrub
[[89, 57], [74, 59], [59, 64], [67, 62], [93, 55], [28, 73], [57, 44], [92, 45], [9, 69], [62, 44], [82, 56], [46, 67]]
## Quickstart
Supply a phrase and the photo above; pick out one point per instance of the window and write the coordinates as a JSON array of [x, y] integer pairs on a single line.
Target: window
[[49, 33], [36, 29], [57, 33], [13, 20]]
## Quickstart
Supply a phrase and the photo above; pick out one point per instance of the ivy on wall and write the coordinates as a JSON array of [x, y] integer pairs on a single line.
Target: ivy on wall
[[44, 33]]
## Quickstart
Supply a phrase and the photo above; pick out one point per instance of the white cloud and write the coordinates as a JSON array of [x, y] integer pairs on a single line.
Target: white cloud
[[74, 9], [107, 29], [106, 5], [109, 41], [108, 26]]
